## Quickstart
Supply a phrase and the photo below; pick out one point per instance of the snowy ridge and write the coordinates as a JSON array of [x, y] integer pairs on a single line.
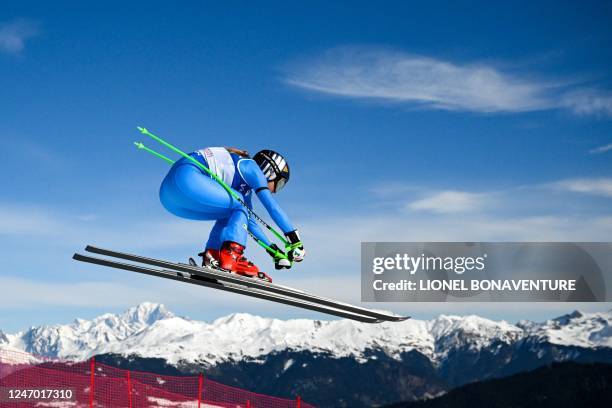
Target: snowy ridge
[[72, 340], [150, 330], [587, 330], [472, 332]]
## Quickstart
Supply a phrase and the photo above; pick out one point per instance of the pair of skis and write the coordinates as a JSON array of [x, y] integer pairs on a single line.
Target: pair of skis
[[230, 282]]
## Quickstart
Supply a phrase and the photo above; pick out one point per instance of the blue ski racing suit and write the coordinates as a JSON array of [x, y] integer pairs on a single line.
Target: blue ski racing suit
[[189, 192]]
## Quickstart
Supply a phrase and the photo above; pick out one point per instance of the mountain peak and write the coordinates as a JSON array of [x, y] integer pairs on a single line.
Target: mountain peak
[[576, 329], [470, 323], [566, 318], [146, 313], [243, 320]]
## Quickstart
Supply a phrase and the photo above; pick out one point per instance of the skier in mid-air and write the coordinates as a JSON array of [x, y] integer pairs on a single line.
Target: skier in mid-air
[[188, 192], [217, 183]]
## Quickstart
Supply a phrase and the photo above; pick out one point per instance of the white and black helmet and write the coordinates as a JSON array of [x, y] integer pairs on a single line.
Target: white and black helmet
[[274, 167]]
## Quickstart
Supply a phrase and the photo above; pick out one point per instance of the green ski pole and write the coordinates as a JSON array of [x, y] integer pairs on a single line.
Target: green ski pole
[[144, 131], [153, 152], [263, 244]]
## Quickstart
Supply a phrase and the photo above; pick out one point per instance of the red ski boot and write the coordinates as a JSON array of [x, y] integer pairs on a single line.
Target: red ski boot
[[232, 259], [210, 258]]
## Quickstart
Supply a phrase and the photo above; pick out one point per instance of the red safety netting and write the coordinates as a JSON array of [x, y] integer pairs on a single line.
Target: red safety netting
[[92, 384]]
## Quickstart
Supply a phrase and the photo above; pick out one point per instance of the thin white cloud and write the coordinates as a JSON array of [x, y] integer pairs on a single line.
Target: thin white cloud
[[588, 102], [34, 222], [594, 186], [122, 289], [601, 149], [450, 202], [15, 33], [87, 217], [399, 77], [28, 221], [392, 76], [26, 293]]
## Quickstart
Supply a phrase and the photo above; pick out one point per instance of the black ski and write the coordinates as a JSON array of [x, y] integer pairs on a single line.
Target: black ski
[[228, 287], [249, 282]]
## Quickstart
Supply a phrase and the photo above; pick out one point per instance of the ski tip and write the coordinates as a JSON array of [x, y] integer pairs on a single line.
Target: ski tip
[[139, 145], [142, 129], [394, 319]]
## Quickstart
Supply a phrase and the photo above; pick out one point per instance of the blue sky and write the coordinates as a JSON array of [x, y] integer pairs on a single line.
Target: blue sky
[[414, 122]]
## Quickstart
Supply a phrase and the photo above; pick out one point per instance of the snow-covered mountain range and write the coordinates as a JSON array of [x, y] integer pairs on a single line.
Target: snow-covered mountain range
[[337, 363], [150, 330]]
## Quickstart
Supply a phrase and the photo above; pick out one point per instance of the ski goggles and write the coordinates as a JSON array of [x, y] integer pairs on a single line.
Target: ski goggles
[[281, 176], [280, 183]]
